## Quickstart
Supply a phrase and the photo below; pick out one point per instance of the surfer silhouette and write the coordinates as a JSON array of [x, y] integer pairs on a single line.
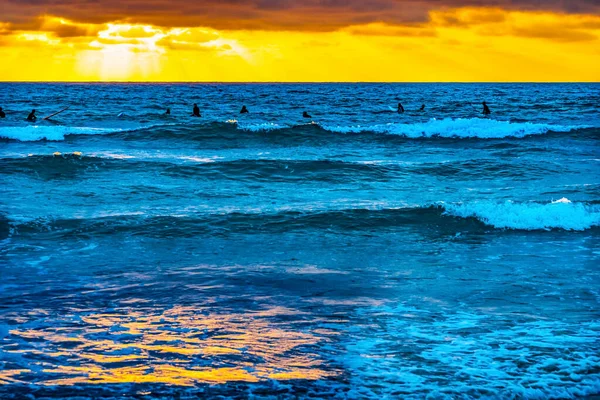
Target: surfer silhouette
[[2, 113], [422, 107], [31, 116], [486, 109], [196, 112], [244, 110], [305, 115], [400, 108], [168, 112]]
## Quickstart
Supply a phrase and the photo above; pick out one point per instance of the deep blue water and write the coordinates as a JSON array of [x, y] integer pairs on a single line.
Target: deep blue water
[[360, 253]]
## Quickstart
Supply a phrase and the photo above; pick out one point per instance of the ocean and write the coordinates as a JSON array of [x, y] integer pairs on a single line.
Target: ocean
[[358, 254]]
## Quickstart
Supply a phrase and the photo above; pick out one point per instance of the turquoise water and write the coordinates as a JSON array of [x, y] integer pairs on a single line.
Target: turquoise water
[[360, 253]]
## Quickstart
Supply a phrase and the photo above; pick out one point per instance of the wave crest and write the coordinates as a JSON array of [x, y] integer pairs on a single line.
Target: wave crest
[[443, 219], [561, 214], [35, 133], [445, 128], [457, 128]]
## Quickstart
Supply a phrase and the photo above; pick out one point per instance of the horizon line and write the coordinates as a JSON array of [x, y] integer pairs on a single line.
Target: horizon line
[[310, 82]]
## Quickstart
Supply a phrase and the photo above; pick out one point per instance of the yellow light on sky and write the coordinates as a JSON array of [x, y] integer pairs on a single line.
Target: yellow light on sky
[[465, 44]]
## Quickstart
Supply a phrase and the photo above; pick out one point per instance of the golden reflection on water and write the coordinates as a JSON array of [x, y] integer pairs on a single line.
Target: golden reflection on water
[[179, 346]]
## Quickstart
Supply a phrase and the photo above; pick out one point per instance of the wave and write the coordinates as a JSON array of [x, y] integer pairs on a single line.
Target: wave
[[34, 133], [440, 218], [561, 214], [480, 128], [69, 165]]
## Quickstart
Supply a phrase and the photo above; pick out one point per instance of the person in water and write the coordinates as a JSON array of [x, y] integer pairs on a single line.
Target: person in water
[[31, 116], [422, 107], [400, 108], [196, 112], [2, 113], [486, 109], [168, 112], [244, 110], [305, 115]]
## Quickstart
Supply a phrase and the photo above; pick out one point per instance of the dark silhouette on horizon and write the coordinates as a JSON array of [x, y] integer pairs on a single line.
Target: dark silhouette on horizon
[[196, 112], [486, 109]]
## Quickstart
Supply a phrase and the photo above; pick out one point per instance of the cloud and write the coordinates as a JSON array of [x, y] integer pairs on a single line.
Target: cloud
[[539, 25], [307, 15], [380, 29]]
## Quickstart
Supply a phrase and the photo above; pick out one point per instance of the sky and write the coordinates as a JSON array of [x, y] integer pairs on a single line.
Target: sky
[[298, 41]]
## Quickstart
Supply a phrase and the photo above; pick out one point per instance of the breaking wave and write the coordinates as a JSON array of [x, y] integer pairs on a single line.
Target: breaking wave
[[34, 133], [458, 128], [480, 128], [561, 214], [441, 217]]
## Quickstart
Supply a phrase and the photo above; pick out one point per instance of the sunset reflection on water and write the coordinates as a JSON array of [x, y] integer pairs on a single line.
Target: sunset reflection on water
[[177, 346]]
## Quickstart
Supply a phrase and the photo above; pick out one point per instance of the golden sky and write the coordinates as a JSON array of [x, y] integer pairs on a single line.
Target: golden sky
[[309, 40]]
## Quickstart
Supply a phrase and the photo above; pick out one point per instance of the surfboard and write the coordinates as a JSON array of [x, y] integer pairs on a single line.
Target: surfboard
[[392, 109], [56, 113]]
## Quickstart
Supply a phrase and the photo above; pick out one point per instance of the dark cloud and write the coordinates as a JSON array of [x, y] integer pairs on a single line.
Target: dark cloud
[[317, 15]]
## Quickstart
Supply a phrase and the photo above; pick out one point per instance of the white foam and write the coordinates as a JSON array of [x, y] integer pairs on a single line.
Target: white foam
[[57, 133], [262, 127], [456, 128], [561, 214], [530, 359]]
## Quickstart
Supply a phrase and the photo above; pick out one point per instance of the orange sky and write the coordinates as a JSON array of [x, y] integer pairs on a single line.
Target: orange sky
[[453, 43]]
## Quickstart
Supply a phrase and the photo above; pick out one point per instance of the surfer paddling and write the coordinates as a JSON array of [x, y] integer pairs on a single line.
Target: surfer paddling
[[196, 112], [486, 109], [31, 117]]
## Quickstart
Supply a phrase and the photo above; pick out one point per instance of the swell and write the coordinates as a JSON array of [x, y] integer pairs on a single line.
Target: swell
[[474, 128], [441, 218], [69, 166]]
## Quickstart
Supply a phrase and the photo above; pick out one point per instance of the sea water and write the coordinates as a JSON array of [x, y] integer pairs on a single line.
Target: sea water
[[360, 253]]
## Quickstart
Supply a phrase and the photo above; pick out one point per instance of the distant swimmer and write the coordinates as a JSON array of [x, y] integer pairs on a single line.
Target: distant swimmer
[[486, 109], [244, 110], [400, 108], [31, 116], [168, 112], [422, 107], [305, 115], [2, 113], [196, 112]]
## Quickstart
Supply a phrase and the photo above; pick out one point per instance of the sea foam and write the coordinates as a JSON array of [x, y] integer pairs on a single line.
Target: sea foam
[[456, 128], [561, 214], [33, 133], [54, 133], [447, 128]]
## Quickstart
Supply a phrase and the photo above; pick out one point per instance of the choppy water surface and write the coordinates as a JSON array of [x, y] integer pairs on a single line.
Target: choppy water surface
[[357, 254]]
